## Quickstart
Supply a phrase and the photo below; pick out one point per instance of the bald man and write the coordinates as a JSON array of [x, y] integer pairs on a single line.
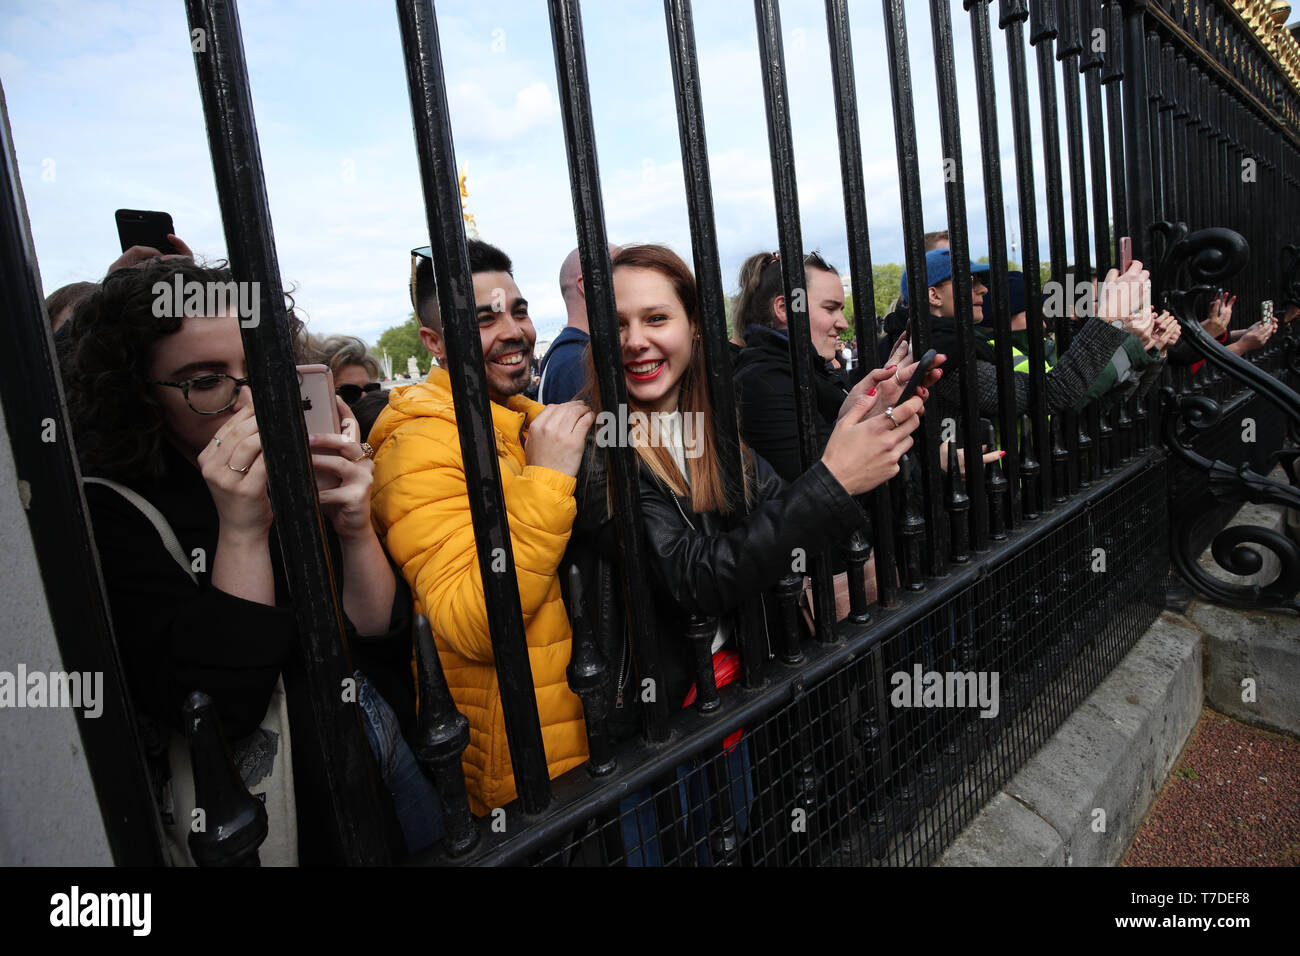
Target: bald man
[[562, 366]]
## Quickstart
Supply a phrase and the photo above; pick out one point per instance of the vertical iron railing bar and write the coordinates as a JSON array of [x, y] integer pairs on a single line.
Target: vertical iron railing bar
[[999, 284], [1112, 77], [866, 322], [713, 313], [1068, 48], [426, 85], [1137, 132], [1042, 36], [1092, 62], [1174, 211], [1013, 15], [794, 281], [909, 190], [1182, 165], [350, 773], [1154, 95], [32, 391], [945, 70], [593, 251]]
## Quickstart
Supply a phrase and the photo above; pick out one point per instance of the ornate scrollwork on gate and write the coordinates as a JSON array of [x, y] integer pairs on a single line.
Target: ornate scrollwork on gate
[[1194, 266]]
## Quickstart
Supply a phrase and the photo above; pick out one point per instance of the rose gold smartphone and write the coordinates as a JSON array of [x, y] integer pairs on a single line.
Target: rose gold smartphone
[[1125, 253], [316, 385]]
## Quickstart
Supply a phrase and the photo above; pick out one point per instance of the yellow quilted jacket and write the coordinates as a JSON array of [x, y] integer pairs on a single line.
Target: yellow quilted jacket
[[421, 512]]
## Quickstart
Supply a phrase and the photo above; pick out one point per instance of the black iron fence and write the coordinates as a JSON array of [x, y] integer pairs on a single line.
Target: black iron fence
[[1016, 589]]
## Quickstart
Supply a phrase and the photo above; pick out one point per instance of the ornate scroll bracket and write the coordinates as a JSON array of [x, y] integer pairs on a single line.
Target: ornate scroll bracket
[[1231, 547], [1194, 265]]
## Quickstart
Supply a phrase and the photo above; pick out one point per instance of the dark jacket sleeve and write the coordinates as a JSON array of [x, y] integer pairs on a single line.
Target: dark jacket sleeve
[[769, 420], [176, 637], [1066, 383], [710, 573]]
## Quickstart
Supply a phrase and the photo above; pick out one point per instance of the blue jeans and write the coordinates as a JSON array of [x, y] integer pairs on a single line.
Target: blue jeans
[[414, 799], [640, 825]]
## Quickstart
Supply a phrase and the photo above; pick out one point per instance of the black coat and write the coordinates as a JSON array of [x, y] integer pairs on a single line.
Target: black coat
[[696, 566], [765, 394], [175, 638]]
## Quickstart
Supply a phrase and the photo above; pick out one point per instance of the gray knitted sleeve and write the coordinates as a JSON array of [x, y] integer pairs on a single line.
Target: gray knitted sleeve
[[1066, 383]]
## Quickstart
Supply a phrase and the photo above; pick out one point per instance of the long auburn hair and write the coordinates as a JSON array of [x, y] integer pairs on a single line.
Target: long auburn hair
[[705, 484]]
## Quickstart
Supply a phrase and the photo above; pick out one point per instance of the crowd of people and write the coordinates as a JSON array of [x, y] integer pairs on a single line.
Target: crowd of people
[[170, 446]]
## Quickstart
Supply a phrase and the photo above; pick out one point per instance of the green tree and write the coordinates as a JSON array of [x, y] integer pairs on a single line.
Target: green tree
[[402, 341], [887, 279]]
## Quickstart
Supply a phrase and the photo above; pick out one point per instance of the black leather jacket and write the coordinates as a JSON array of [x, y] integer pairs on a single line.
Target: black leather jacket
[[696, 565]]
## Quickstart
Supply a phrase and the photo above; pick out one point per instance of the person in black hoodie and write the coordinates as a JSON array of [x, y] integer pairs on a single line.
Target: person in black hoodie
[[697, 565], [764, 379], [163, 416]]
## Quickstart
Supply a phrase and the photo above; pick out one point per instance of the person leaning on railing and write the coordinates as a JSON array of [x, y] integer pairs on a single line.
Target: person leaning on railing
[[697, 567], [421, 506], [764, 380], [1123, 312], [163, 417]]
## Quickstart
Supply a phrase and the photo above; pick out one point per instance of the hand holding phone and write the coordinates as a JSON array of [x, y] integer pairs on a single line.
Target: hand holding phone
[[918, 376], [146, 228], [319, 410]]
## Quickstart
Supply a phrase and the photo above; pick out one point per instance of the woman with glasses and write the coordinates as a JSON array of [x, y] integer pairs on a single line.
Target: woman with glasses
[[164, 423]]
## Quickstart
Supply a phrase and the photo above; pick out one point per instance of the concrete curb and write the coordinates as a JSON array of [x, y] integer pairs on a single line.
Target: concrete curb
[[1080, 799], [1252, 665]]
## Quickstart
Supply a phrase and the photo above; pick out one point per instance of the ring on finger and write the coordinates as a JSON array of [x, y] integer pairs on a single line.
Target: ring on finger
[[366, 452], [242, 471], [897, 379], [889, 413], [216, 441]]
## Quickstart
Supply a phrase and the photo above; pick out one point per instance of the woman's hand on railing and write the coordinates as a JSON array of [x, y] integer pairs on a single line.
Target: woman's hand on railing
[[864, 449], [989, 457]]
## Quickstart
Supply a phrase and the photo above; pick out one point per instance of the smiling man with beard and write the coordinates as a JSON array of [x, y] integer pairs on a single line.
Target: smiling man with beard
[[421, 507]]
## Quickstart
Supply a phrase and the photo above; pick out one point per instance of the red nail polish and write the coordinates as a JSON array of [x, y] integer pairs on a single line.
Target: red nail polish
[[1002, 454], [873, 391], [890, 368]]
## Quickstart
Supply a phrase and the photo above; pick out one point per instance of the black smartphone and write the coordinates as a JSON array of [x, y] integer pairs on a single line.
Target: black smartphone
[[144, 227], [927, 360]]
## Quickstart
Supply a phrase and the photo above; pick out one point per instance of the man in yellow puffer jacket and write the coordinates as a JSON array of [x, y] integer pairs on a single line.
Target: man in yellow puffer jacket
[[421, 509]]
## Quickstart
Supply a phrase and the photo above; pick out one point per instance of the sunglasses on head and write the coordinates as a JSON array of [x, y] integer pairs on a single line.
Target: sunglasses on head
[[353, 393], [423, 252]]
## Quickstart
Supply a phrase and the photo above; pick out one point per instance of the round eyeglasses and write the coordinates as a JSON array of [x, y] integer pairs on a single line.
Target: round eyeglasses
[[209, 394]]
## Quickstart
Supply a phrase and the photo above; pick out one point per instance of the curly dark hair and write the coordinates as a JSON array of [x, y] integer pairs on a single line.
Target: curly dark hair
[[105, 353]]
